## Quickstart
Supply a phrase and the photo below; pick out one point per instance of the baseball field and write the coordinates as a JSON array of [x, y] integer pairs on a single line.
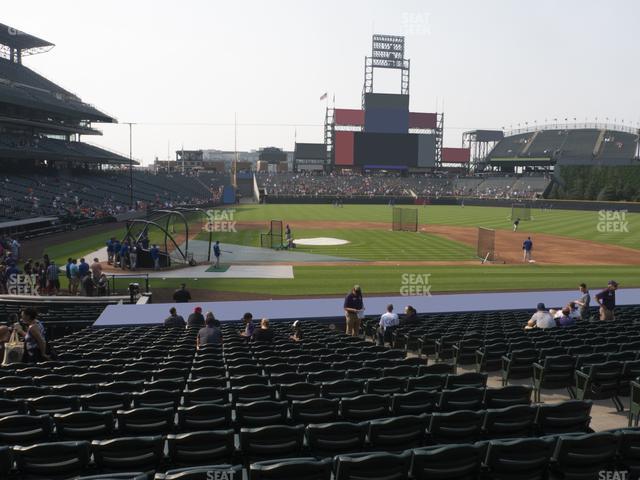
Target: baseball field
[[569, 247]]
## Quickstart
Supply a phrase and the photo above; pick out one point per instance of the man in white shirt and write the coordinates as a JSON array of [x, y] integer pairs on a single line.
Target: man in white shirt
[[541, 319], [388, 322]]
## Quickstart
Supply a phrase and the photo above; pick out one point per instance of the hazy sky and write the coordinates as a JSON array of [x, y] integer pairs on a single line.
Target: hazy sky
[[182, 69]]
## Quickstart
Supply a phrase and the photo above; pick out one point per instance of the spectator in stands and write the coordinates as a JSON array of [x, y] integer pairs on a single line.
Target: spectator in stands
[[249, 327], [53, 280], [96, 269], [196, 319], [264, 333], [15, 249], [155, 256], [410, 317], [182, 295], [565, 319], [34, 336], [103, 285], [74, 277], [541, 319], [3, 279], [174, 320], [210, 334], [211, 317], [67, 271], [584, 301], [389, 321], [88, 285], [5, 335], [607, 301], [110, 250], [353, 308], [296, 336]]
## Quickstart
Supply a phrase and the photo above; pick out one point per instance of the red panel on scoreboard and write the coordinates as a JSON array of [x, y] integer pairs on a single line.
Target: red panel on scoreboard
[[422, 120], [344, 148], [456, 155], [351, 117]]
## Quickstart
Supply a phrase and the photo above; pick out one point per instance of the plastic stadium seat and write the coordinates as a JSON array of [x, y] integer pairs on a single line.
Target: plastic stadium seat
[[156, 399], [121, 387], [414, 403], [572, 416], [629, 452], [392, 354], [299, 391], [203, 472], [364, 373], [204, 447], [128, 454], [325, 376], [27, 391], [517, 459], [253, 393], [240, 370], [244, 380], [204, 381], [365, 407], [132, 376], [386, 385], [265, 443], [6, 461], [51, 404], [261, 414], [373, 466], [329, 439], [105, 402], [600, 381], [553, 372], [287, 378], [466, 398], [437, 369], [304, 468], [12, 407], [277, 368], [489, 357], [315, 410], [342, 388], [167, 373], [85, 425], [73, 389], [518, 364], [507, 396], [400, 371], [52, 460], [11, 381], [204, 395], [464, 353], [398, 433], [145, 421], [25, 429], [584, 456], [463, 426], [432, 382], [210, 416], [455, 462], [509, 422], [471, 379]]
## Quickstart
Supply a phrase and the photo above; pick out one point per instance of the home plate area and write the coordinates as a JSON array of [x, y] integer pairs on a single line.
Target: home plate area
[[320, 241]]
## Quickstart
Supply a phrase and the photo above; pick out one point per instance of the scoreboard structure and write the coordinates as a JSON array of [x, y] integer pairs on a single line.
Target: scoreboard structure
[[384, 133]]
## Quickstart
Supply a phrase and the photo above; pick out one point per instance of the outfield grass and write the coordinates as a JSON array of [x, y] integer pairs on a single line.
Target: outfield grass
[[384, 244]]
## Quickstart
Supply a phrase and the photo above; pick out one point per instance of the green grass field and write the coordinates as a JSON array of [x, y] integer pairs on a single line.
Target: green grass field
[[403, 246]]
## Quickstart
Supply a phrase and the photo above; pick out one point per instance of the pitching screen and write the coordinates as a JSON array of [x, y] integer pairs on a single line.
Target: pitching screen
[[392, 149]]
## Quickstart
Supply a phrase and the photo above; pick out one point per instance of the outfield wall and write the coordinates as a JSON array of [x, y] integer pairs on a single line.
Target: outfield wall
[[470, 201]]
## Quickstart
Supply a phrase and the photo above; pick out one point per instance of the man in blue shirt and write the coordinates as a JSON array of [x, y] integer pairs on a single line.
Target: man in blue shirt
[[110, 251], [527, 246], [74, 277], [83, 268], [155, 256]]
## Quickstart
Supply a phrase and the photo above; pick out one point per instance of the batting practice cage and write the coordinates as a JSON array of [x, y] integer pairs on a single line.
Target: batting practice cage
[[521, 211], [272, 239], [405, 220], [486, 244]]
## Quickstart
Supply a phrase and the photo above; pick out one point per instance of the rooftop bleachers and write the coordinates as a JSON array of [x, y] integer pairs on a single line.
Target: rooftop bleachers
[[546, 143], [512, 145], [618, 146], [580, 143]]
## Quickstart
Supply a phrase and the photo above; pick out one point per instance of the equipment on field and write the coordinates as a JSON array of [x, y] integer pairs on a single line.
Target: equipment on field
[[521, 211], [486, 248], [273, 238], [405, 219]]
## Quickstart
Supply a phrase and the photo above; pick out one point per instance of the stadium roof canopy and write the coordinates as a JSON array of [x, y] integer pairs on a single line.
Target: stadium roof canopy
[[14, 38]]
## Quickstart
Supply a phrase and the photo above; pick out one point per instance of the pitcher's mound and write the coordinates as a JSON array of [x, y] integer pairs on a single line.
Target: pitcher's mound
[[320, 241]]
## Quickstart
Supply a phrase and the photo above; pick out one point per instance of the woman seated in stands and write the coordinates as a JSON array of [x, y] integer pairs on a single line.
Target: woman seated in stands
[[297, 331], [210, 334], [264, 333], [565, 319], [410, 317], [249, 327], [35, 342]]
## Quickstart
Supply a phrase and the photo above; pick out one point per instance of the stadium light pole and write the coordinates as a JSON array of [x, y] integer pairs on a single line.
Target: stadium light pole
[[131, 124]]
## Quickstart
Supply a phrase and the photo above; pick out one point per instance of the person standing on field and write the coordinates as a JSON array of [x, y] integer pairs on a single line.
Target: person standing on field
[[527, 246]]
